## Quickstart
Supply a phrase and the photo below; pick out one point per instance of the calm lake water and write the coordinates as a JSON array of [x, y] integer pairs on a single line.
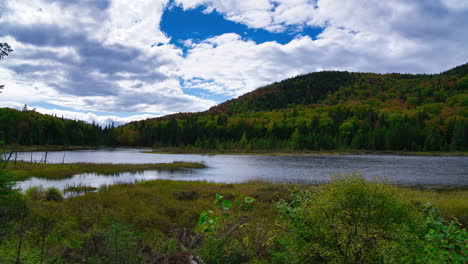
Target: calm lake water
[[427, 171]]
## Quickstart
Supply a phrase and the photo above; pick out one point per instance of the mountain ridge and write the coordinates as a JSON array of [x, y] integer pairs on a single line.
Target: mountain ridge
[[345, 76], [328, 110]]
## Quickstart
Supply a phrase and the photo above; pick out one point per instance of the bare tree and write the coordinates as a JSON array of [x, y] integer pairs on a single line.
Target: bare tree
[[5, 49]]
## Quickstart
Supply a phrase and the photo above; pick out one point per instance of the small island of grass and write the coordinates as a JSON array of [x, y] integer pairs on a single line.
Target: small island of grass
[[25, 170]]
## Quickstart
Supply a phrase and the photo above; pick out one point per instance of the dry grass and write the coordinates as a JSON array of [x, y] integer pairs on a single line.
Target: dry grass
[[451, 202]]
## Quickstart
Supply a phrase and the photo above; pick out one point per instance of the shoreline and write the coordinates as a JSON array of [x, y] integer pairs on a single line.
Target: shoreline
[[240, 151], [304, 153]]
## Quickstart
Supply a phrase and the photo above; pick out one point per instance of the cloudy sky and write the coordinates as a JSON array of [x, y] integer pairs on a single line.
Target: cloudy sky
[[125, 60]]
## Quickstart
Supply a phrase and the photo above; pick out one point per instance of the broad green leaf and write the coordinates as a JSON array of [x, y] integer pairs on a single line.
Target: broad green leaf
[[226, 205]]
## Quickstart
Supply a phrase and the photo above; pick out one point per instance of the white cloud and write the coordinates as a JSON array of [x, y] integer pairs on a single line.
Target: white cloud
[[88, 117], [271, 15], [135, 23], [456, 5], [375, 36], [87, 56]]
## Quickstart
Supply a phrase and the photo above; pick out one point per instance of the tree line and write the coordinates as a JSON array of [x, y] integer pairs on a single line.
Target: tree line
[[318, 111]]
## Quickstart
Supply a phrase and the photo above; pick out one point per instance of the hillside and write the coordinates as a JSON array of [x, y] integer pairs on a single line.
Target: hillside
[[325, 110], [318, 111], [313, 88]]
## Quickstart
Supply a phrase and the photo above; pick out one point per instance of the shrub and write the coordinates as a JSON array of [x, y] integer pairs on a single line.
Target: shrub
[[349, 220], [445, 242], [35, 193], [185, 195], [53, 194]]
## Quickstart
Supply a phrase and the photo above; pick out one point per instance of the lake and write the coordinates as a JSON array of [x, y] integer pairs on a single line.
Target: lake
[[424, 171]]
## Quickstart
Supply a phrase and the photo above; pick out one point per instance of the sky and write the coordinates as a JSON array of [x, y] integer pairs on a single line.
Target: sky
[[119, 61]]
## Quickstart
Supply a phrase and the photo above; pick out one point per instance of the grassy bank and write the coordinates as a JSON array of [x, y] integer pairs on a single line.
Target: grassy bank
[[25, 170], [165, 221], [300, 152], [194, 196]]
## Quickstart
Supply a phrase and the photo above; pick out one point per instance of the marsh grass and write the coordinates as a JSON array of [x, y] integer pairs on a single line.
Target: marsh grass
[[160, 210], [181, 201], [25, 170], [78, 189], [451, 202]]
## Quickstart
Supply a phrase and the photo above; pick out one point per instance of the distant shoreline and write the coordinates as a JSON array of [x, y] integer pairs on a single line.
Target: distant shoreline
[[239, 151], [303, 153]]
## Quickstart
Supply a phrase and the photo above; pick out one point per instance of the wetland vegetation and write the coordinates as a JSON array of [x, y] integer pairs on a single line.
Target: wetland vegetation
[[348, 220], [24, 170]]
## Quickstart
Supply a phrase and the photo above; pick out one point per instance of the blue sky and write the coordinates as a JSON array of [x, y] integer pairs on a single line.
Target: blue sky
[[182, 24], [114, 60]]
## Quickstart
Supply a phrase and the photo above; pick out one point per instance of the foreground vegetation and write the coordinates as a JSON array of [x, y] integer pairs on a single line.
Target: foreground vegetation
[[348, 220], [25, 170]]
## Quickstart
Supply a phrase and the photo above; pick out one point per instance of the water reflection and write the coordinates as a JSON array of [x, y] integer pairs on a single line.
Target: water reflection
[[403, 170]]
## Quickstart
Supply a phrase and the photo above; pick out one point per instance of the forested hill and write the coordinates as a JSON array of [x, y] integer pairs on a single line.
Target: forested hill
[[325, 110], [313, 88], [301, 90], [459, 71], [317, 111]]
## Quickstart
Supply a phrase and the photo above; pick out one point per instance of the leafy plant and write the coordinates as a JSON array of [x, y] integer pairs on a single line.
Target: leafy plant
[[445, 242], [218, 226]]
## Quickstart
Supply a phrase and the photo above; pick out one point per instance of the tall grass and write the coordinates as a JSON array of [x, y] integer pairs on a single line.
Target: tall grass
[[25, 170], [165, 213]]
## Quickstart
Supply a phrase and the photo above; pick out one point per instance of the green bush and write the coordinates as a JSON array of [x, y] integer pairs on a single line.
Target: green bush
[[36, 193], [185, 195], [445, 242], [53, 194], [349, 220]]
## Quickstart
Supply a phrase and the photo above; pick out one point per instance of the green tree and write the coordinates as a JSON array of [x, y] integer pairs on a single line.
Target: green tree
[[120, 243], [459, 136], [297, 139], [244, 142]]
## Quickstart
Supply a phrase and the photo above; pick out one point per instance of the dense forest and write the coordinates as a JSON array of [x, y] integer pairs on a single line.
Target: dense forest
[[318, 111], [28, 127]]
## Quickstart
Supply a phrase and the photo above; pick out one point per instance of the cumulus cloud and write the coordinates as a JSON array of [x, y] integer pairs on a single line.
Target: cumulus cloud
[[94, 56], [271, 15], [111, 55], [89, 117], [376, 36]]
